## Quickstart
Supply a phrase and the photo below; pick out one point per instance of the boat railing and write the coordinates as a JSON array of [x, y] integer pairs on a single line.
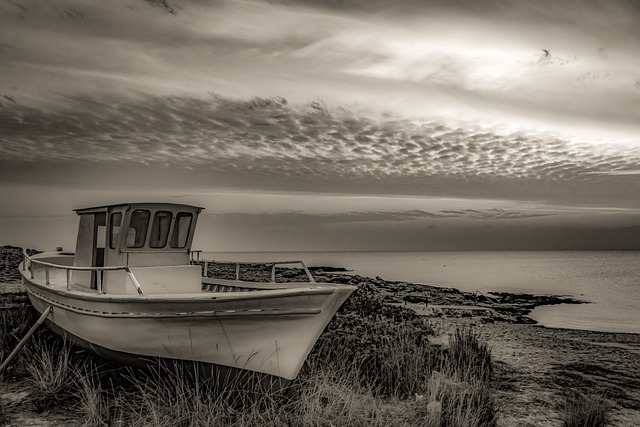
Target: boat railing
[[69, 268], [195, 259]]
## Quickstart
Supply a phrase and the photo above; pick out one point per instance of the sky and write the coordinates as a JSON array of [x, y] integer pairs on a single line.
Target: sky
[[327, 125]]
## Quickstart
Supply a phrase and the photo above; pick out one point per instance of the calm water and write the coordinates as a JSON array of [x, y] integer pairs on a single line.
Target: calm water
[[609, 280]]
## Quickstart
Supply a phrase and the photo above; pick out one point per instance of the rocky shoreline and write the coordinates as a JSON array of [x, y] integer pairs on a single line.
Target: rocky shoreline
[[446, 302], [451, 302]]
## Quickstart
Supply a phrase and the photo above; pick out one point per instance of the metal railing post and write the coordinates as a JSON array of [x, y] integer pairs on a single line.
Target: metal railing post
[[237, 271], [309, 275], [68, 279], [134, 280], [46, 275], [99, 279], [273, 273]]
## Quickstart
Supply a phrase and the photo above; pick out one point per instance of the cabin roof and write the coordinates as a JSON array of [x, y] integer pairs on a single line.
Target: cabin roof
[[155, 205]]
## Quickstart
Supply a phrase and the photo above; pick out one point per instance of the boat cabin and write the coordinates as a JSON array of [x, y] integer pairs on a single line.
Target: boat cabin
[[152, 239]]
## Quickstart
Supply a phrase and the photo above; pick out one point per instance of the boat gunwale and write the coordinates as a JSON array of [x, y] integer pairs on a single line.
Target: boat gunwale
[[313, 289], [180, 314]]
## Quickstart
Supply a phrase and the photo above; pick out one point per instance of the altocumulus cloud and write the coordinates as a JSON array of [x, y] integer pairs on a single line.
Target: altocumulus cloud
[[313, 147]]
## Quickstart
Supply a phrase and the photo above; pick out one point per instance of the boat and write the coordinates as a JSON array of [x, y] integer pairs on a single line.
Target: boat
[[134, 292]]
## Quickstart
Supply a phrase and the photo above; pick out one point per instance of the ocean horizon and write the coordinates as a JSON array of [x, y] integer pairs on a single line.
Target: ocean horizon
[[607, 280]]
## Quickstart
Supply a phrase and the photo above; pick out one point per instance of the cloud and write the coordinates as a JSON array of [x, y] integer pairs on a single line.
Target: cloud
[[96, 88], [300, 217], [492, 55], [450, 58], [386, 231], [428, 99], [615, 172], [268, 143], [492, 214]]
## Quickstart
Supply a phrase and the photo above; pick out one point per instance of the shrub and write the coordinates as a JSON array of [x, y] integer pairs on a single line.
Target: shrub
[[391, 359], [366, 302]]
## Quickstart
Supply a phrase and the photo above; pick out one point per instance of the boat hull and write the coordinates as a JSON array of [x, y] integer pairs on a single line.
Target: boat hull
[[266, 332], [219, 374]]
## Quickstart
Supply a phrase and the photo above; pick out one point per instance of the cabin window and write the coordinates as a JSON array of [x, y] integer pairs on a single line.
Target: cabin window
[[181, 230], [114, 229], [137, 233], [160, 229]]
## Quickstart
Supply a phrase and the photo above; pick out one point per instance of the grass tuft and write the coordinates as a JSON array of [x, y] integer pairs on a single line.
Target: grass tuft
[[460, 403], [92, 401], [469, 359], [333, 397], [393, 360], [50, 372], [585, 411]]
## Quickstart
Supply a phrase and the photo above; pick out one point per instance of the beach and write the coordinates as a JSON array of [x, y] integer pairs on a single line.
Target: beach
[[541, 364], [535, 367]]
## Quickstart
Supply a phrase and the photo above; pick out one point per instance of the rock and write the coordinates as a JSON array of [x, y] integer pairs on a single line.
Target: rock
[[416, 298], [10, 258], [327, 269]]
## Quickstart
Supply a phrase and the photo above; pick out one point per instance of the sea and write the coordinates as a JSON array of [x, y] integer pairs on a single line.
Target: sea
[[608, 280]]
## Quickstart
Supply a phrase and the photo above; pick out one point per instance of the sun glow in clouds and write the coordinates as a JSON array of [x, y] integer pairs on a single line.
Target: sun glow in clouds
[[436, 60]]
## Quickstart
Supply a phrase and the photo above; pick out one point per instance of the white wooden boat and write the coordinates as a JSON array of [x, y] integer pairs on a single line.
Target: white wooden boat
[[132, 292]]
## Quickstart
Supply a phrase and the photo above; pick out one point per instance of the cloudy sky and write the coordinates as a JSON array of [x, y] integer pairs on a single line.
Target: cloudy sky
[[327, 125]]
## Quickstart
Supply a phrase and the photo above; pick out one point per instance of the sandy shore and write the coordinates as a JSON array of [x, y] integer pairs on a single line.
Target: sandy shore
[[535, 366], [540, 364]]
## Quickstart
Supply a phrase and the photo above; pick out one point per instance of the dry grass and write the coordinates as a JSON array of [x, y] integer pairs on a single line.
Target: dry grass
[[50, 372], [469, 359], [326, 393], [366, 370], [92, 400], [390, 359], [14, 323], [585, 411], [453, 403], [333, 397], [319, 397]]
